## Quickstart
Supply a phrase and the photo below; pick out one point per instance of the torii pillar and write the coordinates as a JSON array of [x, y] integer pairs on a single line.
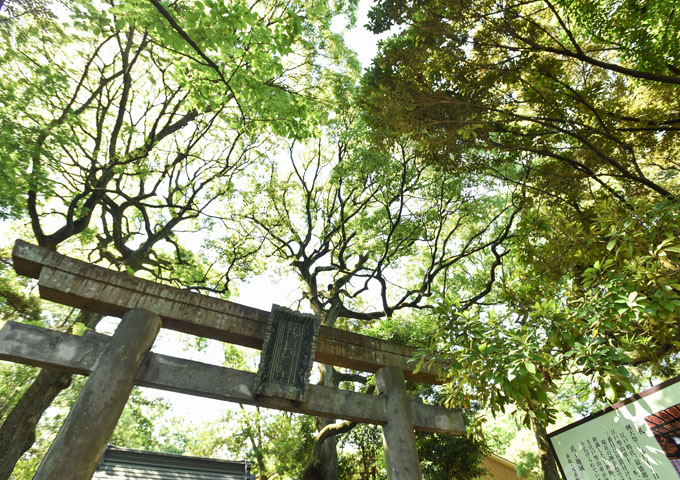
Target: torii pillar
[[401, 454], [81, 441]]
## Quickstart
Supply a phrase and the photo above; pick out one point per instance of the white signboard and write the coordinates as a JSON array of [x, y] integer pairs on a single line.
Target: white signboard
[[637, 439]]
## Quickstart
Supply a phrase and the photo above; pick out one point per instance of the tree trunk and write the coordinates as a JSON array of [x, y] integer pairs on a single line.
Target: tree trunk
[[548, 461], [325, 467], [329, 449], [329, 456], [17, 432]]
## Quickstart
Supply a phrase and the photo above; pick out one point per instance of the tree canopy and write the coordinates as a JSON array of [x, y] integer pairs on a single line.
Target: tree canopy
[[498, 189], [578, 104]]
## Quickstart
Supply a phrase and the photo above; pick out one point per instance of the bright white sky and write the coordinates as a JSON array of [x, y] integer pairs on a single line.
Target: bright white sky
[[360, 39]]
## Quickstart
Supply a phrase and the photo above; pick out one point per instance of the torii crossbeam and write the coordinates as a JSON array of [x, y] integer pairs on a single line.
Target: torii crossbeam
[[146, 305]]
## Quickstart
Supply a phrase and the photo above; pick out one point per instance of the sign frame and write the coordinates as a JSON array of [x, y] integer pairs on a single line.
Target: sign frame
[[622, 406]]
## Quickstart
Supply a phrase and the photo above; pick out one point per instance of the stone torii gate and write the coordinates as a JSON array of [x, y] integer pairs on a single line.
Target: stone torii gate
[[115, 364]]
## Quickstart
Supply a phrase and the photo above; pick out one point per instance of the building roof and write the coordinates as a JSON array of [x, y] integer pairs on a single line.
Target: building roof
[[126, 464], [499, 468]]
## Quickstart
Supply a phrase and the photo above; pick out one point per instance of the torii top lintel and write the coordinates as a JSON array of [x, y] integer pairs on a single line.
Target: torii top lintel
[[79, 284]]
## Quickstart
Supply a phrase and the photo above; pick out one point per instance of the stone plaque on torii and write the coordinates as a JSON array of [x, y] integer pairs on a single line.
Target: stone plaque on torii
[[287, 354], [117, 363]]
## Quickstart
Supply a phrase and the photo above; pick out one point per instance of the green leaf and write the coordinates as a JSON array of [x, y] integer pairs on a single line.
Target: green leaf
[[419, 365], [627, 385], [610, 393]]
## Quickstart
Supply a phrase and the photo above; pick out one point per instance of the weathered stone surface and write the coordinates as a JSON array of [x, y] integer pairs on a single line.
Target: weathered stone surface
[[436, 419], [79, 284], [81, 440], [70, 353], [287, 354], [401, 454]]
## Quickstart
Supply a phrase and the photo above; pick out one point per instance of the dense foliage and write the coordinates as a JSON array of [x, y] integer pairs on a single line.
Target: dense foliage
[[500, 189], [576, 102]]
